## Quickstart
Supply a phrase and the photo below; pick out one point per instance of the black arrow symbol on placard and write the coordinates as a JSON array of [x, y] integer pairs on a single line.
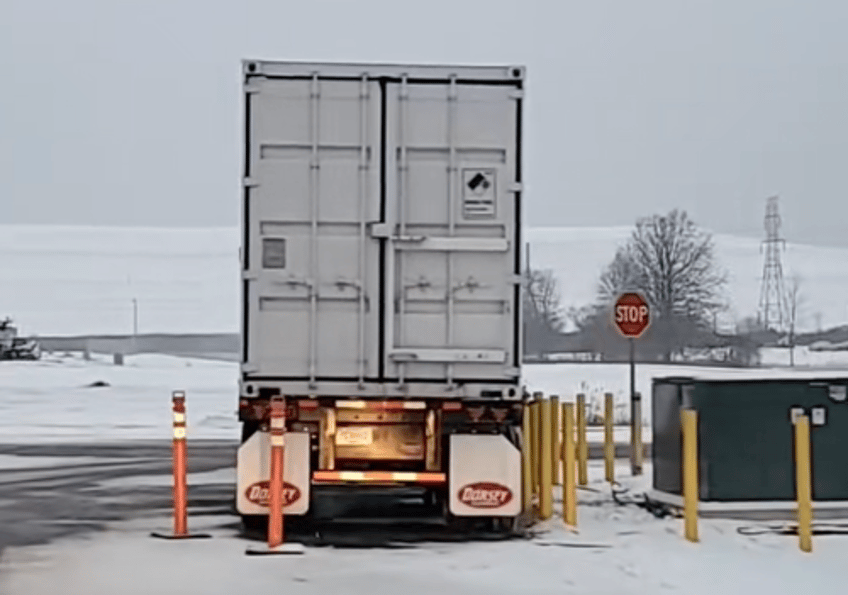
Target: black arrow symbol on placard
[[478, 180]]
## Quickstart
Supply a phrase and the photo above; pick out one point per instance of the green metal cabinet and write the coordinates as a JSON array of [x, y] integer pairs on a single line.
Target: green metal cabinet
[[745, 436]]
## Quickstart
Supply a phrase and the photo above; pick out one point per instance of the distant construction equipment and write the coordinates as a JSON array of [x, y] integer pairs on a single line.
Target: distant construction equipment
[[14, 347]]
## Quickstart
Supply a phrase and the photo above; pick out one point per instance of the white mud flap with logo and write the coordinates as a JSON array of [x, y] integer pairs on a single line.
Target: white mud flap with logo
[[254, 471], [484, 476]]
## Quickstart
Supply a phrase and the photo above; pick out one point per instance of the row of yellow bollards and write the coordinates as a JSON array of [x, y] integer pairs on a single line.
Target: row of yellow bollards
[[803, 481], [556, 443], [557, 452]]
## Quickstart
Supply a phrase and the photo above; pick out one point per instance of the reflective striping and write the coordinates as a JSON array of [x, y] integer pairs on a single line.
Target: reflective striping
[[179, 433], [401, 476], [278, 422], [452, 406], [350, 404], [379, 476], [351, 475], [382, 405], [306, 405], [179, 417], [278, 440]]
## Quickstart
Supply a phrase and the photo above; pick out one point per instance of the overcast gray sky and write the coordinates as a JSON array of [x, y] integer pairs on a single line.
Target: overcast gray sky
[[128, 112]]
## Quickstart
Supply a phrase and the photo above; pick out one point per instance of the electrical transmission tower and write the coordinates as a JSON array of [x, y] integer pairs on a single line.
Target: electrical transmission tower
[[773, 311]]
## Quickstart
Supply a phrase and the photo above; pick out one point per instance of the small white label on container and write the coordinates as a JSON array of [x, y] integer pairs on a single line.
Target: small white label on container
[[819, 416], [795, 413], [837, 392]]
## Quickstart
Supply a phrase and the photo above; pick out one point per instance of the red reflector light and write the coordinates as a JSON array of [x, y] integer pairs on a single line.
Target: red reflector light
[[308, 404], [452, 406], [499, 414]]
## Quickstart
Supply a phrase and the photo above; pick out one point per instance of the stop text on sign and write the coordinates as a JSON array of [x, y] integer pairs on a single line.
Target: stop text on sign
[[631, 314]]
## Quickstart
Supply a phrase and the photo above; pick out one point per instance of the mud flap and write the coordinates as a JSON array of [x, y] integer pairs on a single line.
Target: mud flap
[[254, 469], [484, 476]]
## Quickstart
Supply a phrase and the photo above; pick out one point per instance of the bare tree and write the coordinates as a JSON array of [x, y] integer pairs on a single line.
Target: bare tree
[[543, 315], [794, 300], [672, 262], [543, 299]]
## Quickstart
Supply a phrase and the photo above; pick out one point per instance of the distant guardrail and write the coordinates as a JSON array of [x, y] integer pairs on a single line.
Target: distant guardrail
[[223, 346]]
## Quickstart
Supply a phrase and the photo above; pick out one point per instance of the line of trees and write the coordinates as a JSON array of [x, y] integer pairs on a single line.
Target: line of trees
[[672, 263]]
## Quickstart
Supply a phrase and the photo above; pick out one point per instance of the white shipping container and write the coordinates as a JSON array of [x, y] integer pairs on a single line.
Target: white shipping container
[[382, 230]]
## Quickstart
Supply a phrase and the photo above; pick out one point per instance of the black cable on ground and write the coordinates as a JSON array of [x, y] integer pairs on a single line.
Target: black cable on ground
[[658, 509], [819, 528]]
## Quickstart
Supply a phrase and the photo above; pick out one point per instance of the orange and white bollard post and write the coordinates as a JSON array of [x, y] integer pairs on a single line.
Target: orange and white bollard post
[[180, 481], [276, 516]]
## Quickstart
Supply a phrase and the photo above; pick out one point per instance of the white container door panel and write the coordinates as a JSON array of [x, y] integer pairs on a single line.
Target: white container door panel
[[313, 279], [452, 211]]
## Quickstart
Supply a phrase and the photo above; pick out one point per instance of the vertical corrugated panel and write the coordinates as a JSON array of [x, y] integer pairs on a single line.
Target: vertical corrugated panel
[[317, 189], [453, 165]]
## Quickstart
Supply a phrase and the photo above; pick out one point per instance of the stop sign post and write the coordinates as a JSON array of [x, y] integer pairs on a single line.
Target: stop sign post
[[632, 316]]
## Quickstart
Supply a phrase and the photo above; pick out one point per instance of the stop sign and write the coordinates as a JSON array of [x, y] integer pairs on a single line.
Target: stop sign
[[632, 314]]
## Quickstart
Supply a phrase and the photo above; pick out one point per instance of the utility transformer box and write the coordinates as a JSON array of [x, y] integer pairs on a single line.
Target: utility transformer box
[[382, 282], [746, 435]]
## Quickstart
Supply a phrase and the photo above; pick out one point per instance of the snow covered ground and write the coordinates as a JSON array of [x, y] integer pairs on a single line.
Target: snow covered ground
[[617, 550], [52, 401], [83, 280]]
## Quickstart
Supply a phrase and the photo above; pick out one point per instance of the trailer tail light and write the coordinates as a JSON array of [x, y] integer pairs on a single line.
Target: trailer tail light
[[476, 413], [499, 413]]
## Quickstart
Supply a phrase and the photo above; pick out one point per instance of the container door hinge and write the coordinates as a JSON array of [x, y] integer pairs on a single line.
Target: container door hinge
[[250, 182], [254, 84], [516, 94]]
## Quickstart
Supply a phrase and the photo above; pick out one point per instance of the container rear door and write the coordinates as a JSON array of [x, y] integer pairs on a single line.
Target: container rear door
[[311, 268], [452, 213]]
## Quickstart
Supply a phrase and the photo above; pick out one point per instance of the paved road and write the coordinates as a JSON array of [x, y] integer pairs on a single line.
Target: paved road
[[39, 504]]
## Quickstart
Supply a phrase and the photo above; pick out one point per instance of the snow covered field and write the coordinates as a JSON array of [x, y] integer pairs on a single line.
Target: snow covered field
[[83, 280], [618, 550], [52, 400]]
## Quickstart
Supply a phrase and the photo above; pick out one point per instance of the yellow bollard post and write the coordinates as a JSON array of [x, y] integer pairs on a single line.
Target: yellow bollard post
[[689, 423], [546, 508], [534, 442], [582, 446], [803, 483], [609, 439], [526, 461], [569, 464], [556, 448]]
